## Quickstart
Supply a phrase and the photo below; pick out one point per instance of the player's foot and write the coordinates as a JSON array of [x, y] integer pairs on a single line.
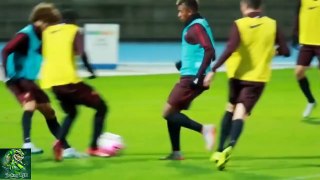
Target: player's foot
[[223, 159], [209, 134], [98, 152], [215, 156], [34, 149], [58, 150], [177, 156], [308, 109], [72, 153]]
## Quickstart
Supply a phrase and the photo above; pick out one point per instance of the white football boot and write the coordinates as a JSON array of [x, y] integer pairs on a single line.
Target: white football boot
[[34, 149], [209, 135], [308, 109]]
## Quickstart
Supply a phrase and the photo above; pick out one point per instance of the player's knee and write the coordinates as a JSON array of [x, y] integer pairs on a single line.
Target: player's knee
[[72, 113], [166, 115], [230, 107], [50, 113], [168, 111], [300, 73], [170, 117], [29, 106]]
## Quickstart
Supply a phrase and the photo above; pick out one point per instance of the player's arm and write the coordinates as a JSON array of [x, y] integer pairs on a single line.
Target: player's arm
[[198, 35], [295, 34], [18, 44], [232, 45], [283, 49], [79, 49]]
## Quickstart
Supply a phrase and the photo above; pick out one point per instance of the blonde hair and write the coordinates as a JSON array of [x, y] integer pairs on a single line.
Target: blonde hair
[[46, 12]]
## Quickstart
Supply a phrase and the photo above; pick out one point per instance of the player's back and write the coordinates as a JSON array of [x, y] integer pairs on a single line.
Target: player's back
[[59, 66], [309, 22], [252, 59], [25, 65]]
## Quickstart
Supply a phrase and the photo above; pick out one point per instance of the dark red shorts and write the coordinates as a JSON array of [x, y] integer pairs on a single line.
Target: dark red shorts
[[27, 90], [76, 94], [182, 94], [307, 53], [246, 92]]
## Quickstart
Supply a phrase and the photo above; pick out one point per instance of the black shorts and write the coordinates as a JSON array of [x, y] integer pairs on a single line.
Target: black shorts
[[182, 94], [307, 53], [27, 90], [77, 94], [246, 92]]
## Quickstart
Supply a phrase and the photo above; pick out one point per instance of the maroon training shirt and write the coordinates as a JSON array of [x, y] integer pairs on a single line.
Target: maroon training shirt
[[196, 34], [20, 43], [234, 41]]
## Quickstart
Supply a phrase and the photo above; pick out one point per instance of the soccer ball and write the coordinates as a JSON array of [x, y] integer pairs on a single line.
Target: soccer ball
[[111, 143]]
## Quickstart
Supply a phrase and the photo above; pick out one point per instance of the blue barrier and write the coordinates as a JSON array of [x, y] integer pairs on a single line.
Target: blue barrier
[[166, 52]]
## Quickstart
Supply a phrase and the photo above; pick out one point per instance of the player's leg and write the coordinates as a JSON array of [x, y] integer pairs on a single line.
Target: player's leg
[[87, 96], [63, 94], [236, 128], [304, 60], [45, 108], [248, 97], [180, 98], [240, 113], [183, 120], [21, 91], [48, 112], [234, 92], [224, 131], [71, 113], [54, 127], [29, 108], [174, 134], [99, 121]]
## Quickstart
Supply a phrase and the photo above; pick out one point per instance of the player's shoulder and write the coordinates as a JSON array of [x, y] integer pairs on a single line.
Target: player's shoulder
[[27, 29]]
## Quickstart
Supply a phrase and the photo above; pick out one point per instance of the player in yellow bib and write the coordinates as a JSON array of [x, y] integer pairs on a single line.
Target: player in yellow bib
[[62, 43], [248, 60], [306, 31]]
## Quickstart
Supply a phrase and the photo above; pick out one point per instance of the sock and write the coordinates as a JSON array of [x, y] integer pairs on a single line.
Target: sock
[[184, 121], [98, 123], [54, 128], [236, 129], [64, 130], [174, 133], [26, 125], [225, 129], [71, 111], [304, 86]]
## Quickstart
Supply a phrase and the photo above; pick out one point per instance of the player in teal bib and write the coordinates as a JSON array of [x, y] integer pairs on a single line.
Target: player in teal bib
[[21, 64], [196, 57], [192, 54], [25, 64]]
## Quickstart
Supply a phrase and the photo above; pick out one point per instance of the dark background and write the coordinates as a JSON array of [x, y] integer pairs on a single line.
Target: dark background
[[145, 20]]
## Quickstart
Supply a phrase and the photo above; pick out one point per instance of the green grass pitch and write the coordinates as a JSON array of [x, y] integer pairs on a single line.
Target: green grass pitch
[[276, 142]]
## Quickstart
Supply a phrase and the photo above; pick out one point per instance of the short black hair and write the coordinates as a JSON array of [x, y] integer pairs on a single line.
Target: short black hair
[[255, 4], [192, 4], [69, 16]]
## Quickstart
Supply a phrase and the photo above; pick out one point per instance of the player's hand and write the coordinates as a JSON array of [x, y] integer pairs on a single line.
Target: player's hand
[[207, 80], [178, 65]]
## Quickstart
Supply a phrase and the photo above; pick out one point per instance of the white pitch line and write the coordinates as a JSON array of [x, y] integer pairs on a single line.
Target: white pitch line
[[304, 177]]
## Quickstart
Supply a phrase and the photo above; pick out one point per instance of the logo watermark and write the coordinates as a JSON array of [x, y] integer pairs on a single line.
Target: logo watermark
[[15, 164]]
